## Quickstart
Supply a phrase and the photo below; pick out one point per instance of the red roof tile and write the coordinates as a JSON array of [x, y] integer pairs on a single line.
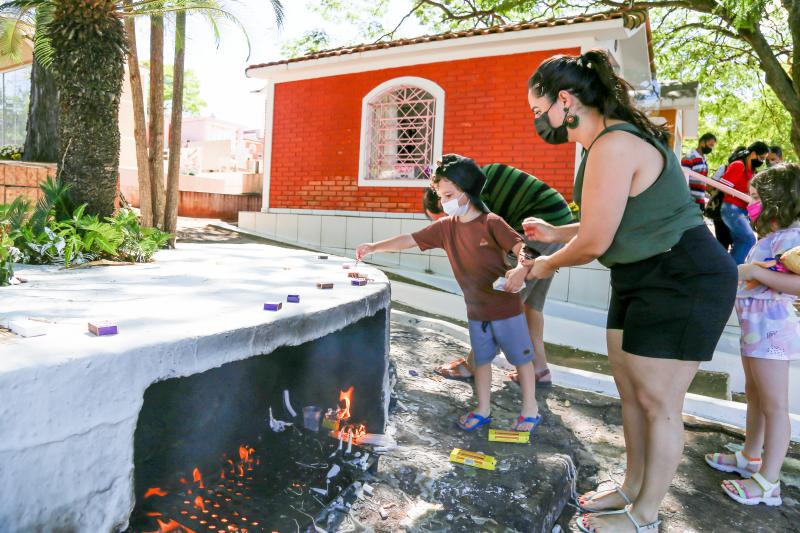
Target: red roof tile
[[631, 19]]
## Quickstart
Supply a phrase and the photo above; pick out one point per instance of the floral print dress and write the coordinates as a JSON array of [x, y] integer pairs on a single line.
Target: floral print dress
[[769, 320]]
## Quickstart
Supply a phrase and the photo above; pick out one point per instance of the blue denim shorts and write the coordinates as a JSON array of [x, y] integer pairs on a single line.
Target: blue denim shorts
[[509, 334]]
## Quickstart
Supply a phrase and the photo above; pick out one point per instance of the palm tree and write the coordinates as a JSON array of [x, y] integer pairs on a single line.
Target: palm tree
[[85, 44], [41, 136], [173, 166]]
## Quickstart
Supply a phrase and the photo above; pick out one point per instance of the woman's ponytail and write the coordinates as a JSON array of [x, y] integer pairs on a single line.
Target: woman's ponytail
[[591, 78]]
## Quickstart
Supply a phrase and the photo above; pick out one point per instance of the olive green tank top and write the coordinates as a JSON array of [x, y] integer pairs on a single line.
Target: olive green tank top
[[655, 219]]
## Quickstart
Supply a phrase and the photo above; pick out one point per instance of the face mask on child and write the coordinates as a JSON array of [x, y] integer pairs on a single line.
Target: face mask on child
[[452, 208], [754, 210]]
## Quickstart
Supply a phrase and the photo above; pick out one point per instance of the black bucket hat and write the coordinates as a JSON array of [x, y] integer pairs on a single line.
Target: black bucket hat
[[466, 174]]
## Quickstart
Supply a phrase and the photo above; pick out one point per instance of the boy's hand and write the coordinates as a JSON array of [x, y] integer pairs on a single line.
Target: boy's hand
[[515, 279], [541, 268], [364, 250], [538, 230]]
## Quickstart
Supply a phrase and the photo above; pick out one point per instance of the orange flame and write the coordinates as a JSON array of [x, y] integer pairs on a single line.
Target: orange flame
[[155, 491], [172, 525], [244, 453], [197, 477], [198, 502], [347, 398]]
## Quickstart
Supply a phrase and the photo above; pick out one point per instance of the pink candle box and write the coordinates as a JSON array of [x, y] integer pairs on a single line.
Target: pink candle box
[[102, 328], [360, 282], [324, 285], [293, 298], [355, 275], [273, 306]]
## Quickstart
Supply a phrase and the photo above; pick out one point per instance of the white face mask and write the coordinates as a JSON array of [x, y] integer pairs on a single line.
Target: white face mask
[[452, 208]]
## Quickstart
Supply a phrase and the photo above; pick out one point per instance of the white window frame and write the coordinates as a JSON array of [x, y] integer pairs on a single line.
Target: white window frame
[[438, 130]]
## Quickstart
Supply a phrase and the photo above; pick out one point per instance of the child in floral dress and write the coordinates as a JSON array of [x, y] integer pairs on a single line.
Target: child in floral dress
[[770, 338]]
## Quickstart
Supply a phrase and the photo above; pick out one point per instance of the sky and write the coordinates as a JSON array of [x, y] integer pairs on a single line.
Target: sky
[[221, 69]]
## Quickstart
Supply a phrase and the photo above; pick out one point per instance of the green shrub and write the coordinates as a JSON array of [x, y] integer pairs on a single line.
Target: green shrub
[[10, 153], [55, 232]]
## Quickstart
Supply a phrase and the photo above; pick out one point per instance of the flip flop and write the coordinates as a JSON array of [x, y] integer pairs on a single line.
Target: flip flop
[[482, 421], [449, 371], [513, 376], [527, 420]]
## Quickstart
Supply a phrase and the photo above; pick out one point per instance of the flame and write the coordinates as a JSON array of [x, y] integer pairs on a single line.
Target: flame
[[222, 474], [244, 453], [152, 514], [197, 477], [198, 502], [172, 525], [346, 397], [155, 491]]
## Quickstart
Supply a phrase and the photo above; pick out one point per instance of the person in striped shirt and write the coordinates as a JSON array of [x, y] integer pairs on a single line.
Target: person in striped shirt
[[515, 195], [696, 161]]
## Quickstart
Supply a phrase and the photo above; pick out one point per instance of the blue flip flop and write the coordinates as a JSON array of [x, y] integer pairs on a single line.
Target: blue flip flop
[[482, 421], [528, 420]]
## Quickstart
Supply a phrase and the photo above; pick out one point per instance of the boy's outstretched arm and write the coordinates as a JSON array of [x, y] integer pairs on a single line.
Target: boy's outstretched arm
[[394, 244]]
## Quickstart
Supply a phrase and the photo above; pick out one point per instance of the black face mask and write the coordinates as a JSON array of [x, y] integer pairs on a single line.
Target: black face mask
[[755, 163], [705, 150], [547, 132]]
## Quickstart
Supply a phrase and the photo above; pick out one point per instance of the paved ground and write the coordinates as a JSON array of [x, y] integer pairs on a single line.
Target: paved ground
[[417, 489]]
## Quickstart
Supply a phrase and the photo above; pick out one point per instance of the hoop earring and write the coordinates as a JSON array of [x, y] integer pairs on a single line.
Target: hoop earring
[[570, 120]]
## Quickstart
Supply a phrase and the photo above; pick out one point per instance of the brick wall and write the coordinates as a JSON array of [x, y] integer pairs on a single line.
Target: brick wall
[[22, 179], [317, 123]]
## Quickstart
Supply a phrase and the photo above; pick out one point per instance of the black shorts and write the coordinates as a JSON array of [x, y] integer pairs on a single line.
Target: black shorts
[[676, 304]]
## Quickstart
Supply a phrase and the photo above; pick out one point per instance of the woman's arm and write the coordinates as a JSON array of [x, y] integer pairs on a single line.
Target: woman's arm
[[394, 244], [777, 281], [606, 187], [538, 230]]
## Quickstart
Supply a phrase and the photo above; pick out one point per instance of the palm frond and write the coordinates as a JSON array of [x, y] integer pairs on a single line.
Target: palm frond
[[13, 32]]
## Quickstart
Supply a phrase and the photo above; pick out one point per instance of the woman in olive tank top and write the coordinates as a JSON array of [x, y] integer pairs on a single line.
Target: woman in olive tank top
[[673, 286]]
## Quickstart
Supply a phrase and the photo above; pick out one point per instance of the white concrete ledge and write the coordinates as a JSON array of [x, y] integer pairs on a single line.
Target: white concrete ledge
[[69, 401]]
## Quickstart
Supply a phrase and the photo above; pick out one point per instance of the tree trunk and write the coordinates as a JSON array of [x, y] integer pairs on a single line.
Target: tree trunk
[[41, 136], [173, 173], [156, 107], [89, 67], [139, 124]]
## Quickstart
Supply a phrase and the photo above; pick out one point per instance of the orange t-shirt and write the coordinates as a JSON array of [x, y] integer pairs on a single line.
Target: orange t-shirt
[[476, 250]]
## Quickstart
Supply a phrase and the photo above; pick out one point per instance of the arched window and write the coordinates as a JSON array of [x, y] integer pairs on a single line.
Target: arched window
[[401, 132]]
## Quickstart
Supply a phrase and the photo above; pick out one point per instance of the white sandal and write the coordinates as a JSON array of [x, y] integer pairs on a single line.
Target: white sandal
[[714, 460], [767, 497], [616, 488], [581, 521]]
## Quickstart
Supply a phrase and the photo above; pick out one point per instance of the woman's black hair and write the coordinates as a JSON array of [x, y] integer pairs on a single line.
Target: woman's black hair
[[591, 78], [740, 152], [431, 202], [758, 147]]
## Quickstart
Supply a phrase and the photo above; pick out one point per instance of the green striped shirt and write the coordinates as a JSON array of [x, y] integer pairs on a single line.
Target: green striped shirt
[[515, 195]]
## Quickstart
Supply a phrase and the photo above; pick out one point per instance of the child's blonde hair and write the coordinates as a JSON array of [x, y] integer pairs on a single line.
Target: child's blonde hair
[[778, 189]]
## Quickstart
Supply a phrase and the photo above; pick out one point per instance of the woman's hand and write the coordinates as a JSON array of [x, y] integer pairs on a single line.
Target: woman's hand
[[538, 230], [364, 250], [542, 269], [515, 279]]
